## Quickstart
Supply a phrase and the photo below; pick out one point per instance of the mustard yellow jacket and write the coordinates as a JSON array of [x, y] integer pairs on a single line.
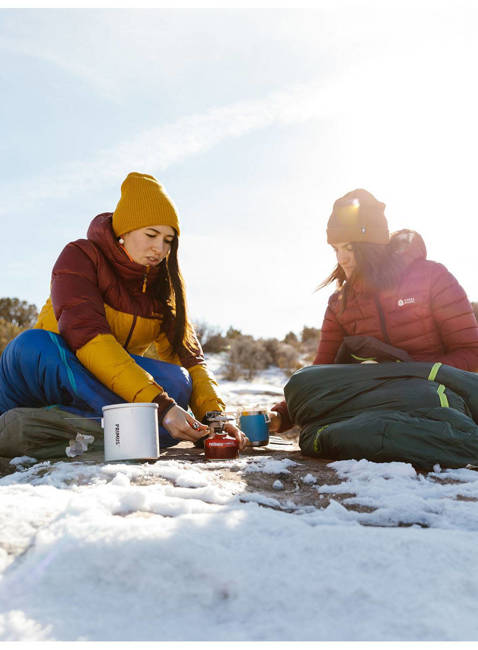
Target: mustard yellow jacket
[[105, 306]]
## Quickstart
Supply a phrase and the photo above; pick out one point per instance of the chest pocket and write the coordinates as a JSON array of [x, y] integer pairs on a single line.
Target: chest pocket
[[410, 319], [410, 308]]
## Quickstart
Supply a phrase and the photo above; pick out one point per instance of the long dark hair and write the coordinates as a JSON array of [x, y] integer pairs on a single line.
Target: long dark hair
[[170, 289], [378, 267]]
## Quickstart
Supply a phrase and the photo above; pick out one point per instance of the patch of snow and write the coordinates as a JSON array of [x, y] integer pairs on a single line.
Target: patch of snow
[[309, 479], [173, 551], [400, 496], [269, 465], [23, 460]]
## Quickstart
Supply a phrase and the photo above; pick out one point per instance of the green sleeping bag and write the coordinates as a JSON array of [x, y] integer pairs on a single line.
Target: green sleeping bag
[[416, 412]]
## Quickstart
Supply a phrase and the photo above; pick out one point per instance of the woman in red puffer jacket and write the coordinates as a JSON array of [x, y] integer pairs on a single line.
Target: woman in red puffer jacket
[[388, 290]]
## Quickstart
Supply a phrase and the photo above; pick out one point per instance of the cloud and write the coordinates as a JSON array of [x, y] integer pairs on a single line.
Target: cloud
[[54, 38], [158, 148]]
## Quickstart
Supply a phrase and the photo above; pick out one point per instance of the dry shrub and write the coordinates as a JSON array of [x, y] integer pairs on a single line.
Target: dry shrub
[[246, 357], [8, 331], [210, 337]]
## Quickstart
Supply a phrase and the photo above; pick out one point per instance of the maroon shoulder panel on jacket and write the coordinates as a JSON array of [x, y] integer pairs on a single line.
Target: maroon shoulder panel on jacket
[[76, 298]]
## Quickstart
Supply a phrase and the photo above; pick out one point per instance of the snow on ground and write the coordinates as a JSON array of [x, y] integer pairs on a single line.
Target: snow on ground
[[177, 551], [259, 393]]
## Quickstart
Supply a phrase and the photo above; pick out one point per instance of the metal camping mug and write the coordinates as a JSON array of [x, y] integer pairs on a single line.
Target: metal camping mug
[[255, 424], [131, 431]]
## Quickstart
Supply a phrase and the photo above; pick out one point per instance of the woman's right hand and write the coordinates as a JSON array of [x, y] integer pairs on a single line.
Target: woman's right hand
[[275, 421], [182, 425]]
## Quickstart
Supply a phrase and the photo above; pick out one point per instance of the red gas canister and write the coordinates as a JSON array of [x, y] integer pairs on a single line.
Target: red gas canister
[[220, 445]]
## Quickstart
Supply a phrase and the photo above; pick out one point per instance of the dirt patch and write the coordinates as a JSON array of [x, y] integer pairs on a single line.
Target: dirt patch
[[5, 467], [290, 490], [298, 486]]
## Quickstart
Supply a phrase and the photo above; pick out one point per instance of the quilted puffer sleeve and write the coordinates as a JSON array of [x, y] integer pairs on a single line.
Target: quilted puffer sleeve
[[205, 394], [285, 423], [455, 320], [76, 300], [80, 313]]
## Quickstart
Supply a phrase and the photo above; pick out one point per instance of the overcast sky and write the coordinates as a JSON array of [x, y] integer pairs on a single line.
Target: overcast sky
[[255, 121]]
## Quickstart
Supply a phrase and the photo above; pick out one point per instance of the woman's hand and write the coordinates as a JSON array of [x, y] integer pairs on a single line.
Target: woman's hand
[[241, 437], [183, 426], [275, 421]]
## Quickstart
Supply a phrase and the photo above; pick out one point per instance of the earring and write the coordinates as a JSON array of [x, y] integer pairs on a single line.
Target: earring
[[120, 240]]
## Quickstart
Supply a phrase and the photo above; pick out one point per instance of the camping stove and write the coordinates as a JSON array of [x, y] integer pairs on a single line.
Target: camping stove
[[220, 445]]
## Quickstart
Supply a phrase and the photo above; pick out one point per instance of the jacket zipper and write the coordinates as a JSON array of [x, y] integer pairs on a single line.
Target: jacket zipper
[[382, 320], [128, 338], [135, 317], [145, 280]]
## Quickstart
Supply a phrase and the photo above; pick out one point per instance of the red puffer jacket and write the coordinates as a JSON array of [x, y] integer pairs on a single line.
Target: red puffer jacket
[[427, 314]]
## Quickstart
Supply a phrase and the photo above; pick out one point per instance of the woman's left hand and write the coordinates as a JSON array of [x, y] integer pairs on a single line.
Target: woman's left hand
[[241, 437]]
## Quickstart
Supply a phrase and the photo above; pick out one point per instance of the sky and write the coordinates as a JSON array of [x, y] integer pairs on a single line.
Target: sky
[[255, 121]]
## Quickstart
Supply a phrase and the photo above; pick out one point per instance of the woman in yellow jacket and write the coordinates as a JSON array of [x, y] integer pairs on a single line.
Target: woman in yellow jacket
[[113, 295]]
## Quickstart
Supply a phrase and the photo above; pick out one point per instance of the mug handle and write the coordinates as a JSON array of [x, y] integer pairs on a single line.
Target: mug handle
[[267, 418]]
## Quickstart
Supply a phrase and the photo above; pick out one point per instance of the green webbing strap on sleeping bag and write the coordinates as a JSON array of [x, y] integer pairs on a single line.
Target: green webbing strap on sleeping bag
[[361, 359], [442, 397], [317, 445], [441, 388], [434, 371]]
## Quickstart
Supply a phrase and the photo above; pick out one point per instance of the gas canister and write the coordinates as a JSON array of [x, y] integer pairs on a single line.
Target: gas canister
[[220, 445]]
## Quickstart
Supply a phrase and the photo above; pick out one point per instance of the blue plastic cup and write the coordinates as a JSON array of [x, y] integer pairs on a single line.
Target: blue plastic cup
[[255, 424]]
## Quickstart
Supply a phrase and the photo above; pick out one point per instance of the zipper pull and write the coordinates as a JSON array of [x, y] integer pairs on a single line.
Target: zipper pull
[[145, 280]]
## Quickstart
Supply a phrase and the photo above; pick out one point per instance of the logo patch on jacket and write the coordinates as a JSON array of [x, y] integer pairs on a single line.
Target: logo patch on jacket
[[405, 301]]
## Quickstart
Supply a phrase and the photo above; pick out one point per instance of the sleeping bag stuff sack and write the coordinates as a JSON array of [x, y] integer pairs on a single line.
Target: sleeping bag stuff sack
[[45, 433], [416, 412]]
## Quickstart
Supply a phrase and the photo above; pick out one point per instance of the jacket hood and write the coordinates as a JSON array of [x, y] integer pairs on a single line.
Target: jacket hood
[[405, 247], [100, 232], [409, 245]]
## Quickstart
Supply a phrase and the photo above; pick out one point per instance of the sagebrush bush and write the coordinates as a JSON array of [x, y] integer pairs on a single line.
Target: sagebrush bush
[[8, 331], [211, 338], [246, 356]]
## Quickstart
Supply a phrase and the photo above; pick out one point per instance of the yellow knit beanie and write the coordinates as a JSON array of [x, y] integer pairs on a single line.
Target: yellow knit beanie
[[143, 203]]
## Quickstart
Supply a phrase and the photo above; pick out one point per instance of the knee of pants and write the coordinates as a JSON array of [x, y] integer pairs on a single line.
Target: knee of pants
[[179, 385], [22, 353], [27, 341], [31, 344], [175, 380]]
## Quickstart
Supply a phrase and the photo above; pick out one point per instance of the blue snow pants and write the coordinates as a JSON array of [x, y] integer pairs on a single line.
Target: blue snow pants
[[37, 369]]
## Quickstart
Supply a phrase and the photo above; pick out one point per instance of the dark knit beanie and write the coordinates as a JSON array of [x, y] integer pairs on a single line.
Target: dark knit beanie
[[358, 217]]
